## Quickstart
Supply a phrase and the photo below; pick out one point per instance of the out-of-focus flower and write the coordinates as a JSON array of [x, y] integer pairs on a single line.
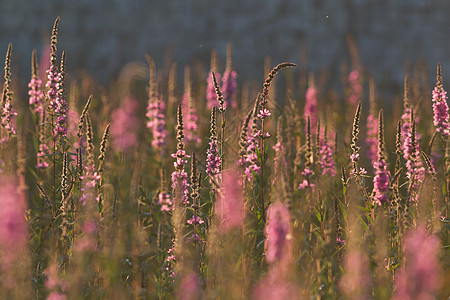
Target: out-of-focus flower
[[356, 89], [420, 278], [124, 125], [355, 283], [229, 88], [230, 203], [278, 231], [13, 229], [189, 287]]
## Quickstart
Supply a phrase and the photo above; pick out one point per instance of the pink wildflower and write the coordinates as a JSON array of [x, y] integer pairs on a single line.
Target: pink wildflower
[[311, 105], [13, 229], [230, 203], [229, 88], [156, 122], [419, 279], [371, 140], [211, 95], [355, 88], [278, 231], [124, 125], [189, 287], [356, 282], [440, 107]]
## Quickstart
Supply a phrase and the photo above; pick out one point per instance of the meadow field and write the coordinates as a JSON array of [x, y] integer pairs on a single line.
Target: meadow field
[[195, 185]]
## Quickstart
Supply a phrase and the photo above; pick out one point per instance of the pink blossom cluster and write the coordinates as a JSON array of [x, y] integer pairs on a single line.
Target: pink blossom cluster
[[90, 180], [191, 120], [124, 125], [211, 95], [420, 278], [213, 160], [251, 158], [371, 139], [230, 203], [156, 122], [36, 95], [179, 176], [42, 156], [356, 281], [229, 88], [311, 105], [380, 182], [165, 201], [440, 108], [327, 163], [307, 173], [277, 232], [355, 88], [275, 285], [7, 117], [53, 84], [61, 110], [281, 166], [13, 229]]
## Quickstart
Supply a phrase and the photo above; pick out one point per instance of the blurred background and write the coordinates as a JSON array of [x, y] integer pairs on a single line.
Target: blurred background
[[102, 36]]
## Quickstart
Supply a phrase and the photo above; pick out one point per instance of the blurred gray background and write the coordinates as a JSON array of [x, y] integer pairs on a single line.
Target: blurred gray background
[[101, 36]]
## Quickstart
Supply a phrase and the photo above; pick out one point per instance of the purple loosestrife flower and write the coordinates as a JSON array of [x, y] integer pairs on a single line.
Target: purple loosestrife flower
[[371, 139], [355, 88], [189, 287], [13, 229], [165, 201], [156, 122], [229, 88], [381, 179], [155, 110], [420, 277], [230, 203], [211, 95], [415, 171], [251, 158], [355, 283], [191, 124], [124, 125], [35, 92], [213, 160], [440, 107], [42, 159], [61, 106], [179, 175], [90, 180], [6, 111], [327, 163], [264, 113], [311, 103], [278, 234], [191, 118], [275, 286]]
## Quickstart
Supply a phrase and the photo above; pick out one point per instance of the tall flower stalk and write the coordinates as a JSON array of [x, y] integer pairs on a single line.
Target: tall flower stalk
[[262, 115], [229, 82], [440, 107], [372, 125], [381, 179], [155, 110], [213, 160], [191, 125], [211, 96], [7, 112], [35, 92]]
